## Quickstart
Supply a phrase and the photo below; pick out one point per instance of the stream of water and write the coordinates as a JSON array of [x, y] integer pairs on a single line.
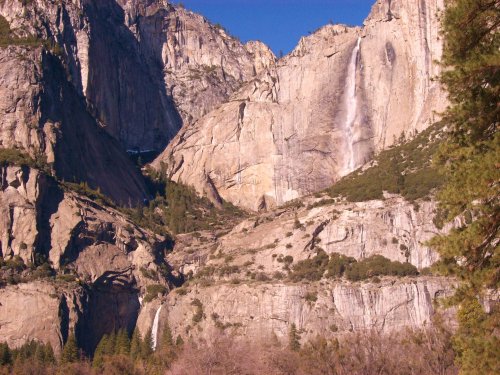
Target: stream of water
[[154, 329]]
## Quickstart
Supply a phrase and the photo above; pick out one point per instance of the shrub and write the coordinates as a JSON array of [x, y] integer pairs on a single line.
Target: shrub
[[377, 265], [153, 290], [310, 269], [181, 291], [311, 296], [338, 264], [150, 274]]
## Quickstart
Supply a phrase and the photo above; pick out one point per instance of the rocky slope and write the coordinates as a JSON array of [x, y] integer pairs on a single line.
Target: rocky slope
[[239, 284], [103, 263], [321, 112], [110, 274]]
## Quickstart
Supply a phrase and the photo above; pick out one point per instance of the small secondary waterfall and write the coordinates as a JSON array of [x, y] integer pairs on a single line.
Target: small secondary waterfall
[[154, 329], [351, 103]]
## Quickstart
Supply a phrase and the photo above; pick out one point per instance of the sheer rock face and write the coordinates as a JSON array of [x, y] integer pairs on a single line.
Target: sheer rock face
[[321, 112], [240, 277], [104, 62], [42, 114], [141, 63], [96, 243], [29, 311], [261, 311]]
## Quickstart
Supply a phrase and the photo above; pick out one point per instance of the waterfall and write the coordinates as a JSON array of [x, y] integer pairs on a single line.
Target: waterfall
[[154, 329], [351, 103]]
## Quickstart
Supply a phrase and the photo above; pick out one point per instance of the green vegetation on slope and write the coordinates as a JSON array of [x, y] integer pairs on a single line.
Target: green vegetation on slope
[[470, 160], [338, 265], [177, 208], [10, 156], [404, 169]]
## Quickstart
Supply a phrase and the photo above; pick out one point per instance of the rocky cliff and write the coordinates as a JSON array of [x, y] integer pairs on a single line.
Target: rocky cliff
[[321, 112], [101, 261], [263, 311], [138, 64], [43, 114], [238, 282], [105, 75]]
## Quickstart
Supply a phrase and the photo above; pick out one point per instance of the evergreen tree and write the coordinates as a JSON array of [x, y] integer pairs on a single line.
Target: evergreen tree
[[179, 341], [122, 345], [100, 352], [147, 345], [135, 345], [470, 160], [293, 338], [70, 352], [50, 358], [167, 341], [110, 344]]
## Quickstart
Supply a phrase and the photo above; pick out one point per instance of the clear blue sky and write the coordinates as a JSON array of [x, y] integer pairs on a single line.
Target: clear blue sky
[[279, 23]]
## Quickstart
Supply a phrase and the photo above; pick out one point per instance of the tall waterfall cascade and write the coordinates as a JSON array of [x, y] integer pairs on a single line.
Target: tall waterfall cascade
[[154, 329], [351, 105]]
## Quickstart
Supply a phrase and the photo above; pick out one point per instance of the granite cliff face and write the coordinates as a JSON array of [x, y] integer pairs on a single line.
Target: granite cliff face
[[139, 64], [260, 312], [42, 114], [84, 241], [104, 62], [239, 279], [319, 113]]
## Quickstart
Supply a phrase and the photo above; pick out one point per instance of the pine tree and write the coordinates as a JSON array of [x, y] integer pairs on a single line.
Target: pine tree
[[147, 345], [100, 352], [122, 345], [70, 352], [179, 341], [470, 160], [5, 355], [293, 338], [50, 358], [110, 347], [135, 345], [167, 341]]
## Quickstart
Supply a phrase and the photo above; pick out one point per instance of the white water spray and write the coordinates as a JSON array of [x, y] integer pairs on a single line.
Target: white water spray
[[154, 329], [351, 103]]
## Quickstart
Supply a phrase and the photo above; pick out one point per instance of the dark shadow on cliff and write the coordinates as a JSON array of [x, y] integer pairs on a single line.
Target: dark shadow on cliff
[[112, 304], [51, 196], [126, 86], [83, 149]]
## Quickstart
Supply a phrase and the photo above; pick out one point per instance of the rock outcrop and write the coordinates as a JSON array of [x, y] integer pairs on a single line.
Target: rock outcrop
[[263, 311], [84, 241], [105, 64], [203, 64], [321, 112]]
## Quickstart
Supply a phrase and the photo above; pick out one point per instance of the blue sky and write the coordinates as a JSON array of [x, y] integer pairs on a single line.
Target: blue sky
[[279, 23]]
